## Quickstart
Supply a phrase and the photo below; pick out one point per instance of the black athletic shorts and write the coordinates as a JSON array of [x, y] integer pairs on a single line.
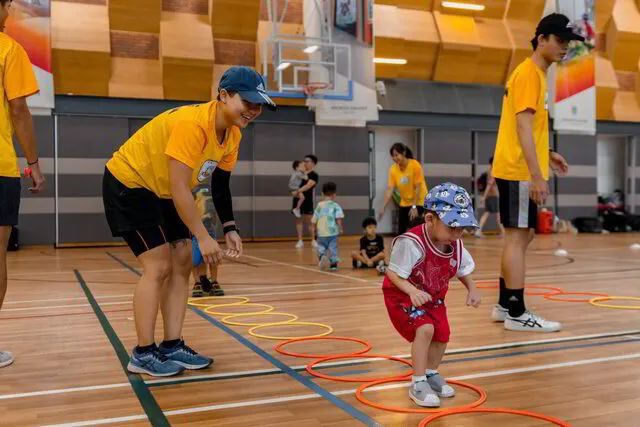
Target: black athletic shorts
[[307, 206], [144, 220], [517, 210], [404, 223], [9, 200], [491, 204]]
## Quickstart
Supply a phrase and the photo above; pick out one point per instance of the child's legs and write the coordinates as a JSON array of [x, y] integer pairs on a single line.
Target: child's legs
[[420, 349], [379, 257], [323, 246], [300, 200], [333, 247], [436, 352], [356, 255]]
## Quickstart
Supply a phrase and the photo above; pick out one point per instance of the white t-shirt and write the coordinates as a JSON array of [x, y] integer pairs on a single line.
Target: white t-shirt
[[406, 253]]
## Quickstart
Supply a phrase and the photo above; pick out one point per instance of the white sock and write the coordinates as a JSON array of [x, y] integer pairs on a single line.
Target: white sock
[[431, 372], [415, 379]]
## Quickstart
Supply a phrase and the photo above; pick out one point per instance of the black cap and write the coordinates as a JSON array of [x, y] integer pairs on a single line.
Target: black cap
[[558, 25], [248, 83]]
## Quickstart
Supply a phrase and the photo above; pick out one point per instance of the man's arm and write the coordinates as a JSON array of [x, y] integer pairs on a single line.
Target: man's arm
[[23, 127], [308, 186]]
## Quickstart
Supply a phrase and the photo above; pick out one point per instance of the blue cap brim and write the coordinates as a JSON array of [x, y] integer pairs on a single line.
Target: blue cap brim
[[453, 217], [257, 97]]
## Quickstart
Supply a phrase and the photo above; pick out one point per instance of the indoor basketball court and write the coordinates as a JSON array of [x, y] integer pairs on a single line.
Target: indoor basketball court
[[293, 343]]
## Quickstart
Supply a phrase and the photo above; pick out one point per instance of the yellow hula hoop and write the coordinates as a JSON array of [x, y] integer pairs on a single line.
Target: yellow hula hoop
[[328, 331], [596, 302], [268, 308], [228, 320], [198, 302]]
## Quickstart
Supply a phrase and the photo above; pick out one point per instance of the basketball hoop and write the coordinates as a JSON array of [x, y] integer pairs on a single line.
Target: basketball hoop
[[310, 88]]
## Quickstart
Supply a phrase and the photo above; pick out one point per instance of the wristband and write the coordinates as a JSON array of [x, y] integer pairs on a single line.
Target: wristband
[[32, 163], [230, 228]]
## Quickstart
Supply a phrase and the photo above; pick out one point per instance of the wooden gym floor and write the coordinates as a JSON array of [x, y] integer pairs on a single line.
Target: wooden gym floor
[[68, 320]]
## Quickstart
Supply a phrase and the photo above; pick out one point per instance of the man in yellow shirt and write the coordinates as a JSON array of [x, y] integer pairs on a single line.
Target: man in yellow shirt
[[521, 167], [148, 201], [18, 83]]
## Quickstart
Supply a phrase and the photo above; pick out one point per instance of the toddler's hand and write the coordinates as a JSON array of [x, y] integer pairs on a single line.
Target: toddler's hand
[[419, 298], [473, 298]]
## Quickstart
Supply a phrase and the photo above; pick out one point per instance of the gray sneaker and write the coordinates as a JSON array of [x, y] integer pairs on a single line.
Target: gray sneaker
[[422, 394], [440, 386], [6, 359]]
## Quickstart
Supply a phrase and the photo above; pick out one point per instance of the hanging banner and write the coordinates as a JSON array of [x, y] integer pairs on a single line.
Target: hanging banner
[[575, 77], [29, 24]]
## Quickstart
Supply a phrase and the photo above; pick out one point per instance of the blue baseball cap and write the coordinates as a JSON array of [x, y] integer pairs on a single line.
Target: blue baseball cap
[[453, 205], [248, 83]]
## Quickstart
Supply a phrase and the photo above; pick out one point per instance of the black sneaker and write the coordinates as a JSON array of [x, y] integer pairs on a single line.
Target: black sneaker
[[334, 266], [197, 291], [216, 291]]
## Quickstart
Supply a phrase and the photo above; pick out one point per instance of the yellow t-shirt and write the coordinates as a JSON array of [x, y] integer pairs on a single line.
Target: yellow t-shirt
[[406, 180], [186, 134], [18, 80], [526, 89]]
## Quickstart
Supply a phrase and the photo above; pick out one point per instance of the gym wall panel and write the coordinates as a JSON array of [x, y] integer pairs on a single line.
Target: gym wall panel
[[450, 164], [578, 195], [37, 226]]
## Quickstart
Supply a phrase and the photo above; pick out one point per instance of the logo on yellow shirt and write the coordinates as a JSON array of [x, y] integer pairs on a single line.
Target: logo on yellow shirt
[[404, 180], [206, 170]]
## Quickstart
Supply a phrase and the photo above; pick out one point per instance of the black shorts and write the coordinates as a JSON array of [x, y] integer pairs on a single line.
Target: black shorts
[[144, 220], [517, 210], [306, 208], [9, 200], [491, 204], [403, 219]]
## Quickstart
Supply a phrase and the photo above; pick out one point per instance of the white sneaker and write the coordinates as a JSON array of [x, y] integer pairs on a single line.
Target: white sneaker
[[324, 262], [531, 322], [478, 233], [6, 359], [297, 213], [300, 244], [499, 313], [314, 244], [423, 395]]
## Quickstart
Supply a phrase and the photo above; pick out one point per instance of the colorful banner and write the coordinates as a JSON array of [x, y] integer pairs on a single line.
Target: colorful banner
[[30, 25], [575, 77]]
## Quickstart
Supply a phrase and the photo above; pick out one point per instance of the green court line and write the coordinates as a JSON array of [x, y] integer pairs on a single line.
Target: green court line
[[147, 401]]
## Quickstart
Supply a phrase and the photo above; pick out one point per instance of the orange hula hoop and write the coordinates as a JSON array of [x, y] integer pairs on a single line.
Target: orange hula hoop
[[481, 399], [357, 379], [456, 411], [280, 350]]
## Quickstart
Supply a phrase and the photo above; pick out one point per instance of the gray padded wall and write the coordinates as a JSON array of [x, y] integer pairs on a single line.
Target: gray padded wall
[[578, 192], [446, 156], [84, 146], [37, 216]]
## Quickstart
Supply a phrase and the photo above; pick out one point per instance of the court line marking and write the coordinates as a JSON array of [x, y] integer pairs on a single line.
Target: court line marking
[[307, 382], [66, 299], [40, 273], [224, 375], [301, 267], [46, 307], [149, 404], [487, 374]]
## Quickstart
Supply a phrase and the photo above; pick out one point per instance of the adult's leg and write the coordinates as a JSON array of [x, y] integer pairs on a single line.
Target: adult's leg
[[5, 233], [403, 219], [299, 228], [176, 289], [157, 268], [483, 221]]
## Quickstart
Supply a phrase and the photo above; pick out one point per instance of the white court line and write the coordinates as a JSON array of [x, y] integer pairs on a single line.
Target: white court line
[[70, 271], [271, 370], [47, 307], [352, 391], [301, 267], [66, 299]]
